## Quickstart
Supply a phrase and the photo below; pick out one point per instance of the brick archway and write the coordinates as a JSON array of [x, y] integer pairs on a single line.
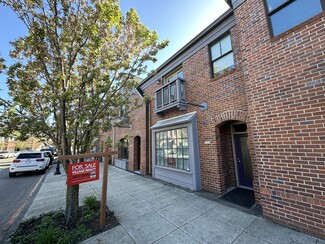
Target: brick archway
[[224, 146], [229, 115]]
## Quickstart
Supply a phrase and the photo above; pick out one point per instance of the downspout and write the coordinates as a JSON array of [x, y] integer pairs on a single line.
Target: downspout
[[113, 139], [148, 146]]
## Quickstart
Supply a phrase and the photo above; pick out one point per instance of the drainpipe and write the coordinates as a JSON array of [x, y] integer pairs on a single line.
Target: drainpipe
[[148, 146], [113, 139]]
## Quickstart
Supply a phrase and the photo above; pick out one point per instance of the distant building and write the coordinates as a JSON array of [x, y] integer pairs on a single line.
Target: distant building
[[128, 135], [8, 143]]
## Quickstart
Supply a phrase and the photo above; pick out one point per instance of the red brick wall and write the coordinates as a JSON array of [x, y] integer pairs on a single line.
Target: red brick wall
[[227, 156], [286, 100]]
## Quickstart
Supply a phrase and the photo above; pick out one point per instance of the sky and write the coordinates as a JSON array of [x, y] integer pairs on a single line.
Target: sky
[[179, 21]]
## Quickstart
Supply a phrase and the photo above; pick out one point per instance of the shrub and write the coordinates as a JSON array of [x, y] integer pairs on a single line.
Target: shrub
[[49, 235], [91, 203], [51, 228]]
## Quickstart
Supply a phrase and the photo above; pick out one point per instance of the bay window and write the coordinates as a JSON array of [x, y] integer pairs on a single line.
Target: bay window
[[175, 151]]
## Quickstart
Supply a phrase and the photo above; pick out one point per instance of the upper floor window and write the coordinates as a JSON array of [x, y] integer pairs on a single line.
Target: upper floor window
[[222, 55], [123, 115], [173, 76], [285, 14], [123, 110]]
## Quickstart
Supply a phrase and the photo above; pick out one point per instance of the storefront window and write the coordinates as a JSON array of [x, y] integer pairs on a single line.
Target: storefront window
[[172, 149]]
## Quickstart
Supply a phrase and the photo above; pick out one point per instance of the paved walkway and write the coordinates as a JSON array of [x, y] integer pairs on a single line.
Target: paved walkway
[[150, 211]]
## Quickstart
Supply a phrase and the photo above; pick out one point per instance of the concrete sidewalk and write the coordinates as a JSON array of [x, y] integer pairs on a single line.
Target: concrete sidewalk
[[150, 211]]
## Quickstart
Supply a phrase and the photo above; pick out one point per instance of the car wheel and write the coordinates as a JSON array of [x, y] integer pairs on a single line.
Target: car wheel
[[12, 174]]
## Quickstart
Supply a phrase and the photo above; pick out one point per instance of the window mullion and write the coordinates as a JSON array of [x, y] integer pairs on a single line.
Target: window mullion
[[279, 7], [222, 56]]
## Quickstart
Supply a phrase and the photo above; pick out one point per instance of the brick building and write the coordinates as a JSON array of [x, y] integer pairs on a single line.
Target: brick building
[[128, 134], [242, 106]]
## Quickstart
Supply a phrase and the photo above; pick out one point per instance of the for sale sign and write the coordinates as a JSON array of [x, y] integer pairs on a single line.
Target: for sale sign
[[83, 172]]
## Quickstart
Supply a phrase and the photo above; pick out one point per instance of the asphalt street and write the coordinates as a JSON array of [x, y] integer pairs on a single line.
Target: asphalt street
[[5, 163], [16, 195]]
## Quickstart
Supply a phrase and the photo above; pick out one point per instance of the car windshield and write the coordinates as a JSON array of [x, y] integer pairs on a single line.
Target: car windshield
[[29, 155]]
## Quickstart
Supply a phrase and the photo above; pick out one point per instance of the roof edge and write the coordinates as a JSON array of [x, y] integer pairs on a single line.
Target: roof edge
[[215, 23], [229, 2]]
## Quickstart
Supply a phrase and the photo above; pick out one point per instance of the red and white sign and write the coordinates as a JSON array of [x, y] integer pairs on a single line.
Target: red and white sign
[[83, 172]]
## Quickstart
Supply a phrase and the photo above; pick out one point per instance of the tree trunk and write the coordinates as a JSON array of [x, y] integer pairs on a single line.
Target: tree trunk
[[72, 197], [72, 204]]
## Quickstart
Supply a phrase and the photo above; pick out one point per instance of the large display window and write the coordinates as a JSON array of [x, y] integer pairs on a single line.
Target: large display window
[[175, 151], [172, 149]]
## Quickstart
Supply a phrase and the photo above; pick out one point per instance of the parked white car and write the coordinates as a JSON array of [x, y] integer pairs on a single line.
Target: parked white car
[[49, 154], [6, 154], [29, 161]]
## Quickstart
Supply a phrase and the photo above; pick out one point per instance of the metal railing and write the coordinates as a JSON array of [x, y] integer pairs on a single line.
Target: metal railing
[[170, 96]]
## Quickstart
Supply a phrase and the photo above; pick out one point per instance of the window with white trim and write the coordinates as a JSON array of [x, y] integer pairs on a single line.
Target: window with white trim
[[286, 14], [222, 55], [173, 76]]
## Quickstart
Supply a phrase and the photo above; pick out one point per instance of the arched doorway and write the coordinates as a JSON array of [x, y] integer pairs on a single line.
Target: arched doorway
[[235, 162], [137, 153], [234, 156]]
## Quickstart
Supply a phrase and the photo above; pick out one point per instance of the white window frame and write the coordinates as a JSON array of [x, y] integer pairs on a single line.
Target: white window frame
[[173, 76]]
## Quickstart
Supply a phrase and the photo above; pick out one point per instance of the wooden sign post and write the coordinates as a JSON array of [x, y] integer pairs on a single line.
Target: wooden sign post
[[102, 214], [105, 154]]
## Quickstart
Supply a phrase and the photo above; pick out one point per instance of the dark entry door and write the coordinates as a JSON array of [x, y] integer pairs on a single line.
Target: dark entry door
[[137, 153], [243, 159]]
